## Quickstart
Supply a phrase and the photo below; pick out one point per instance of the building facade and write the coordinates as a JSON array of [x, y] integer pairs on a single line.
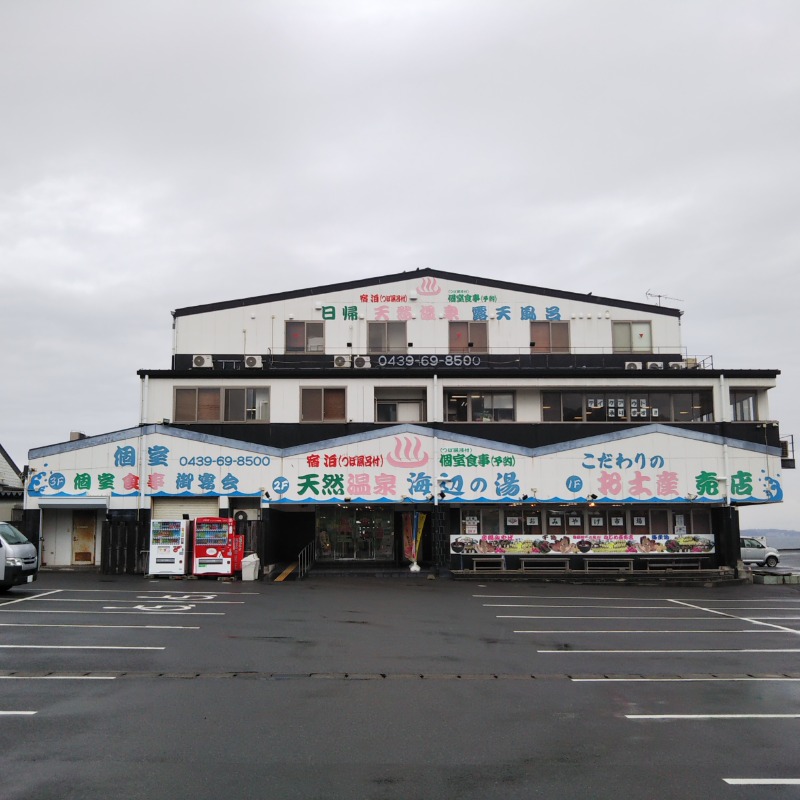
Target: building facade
[[471, 416], [11, 499]]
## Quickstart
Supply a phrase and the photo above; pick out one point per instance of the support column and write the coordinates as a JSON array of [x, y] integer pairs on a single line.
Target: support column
[[725, 522]]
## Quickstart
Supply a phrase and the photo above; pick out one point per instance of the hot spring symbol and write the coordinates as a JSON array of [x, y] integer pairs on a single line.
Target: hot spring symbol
[[408, 452], [429, 286]]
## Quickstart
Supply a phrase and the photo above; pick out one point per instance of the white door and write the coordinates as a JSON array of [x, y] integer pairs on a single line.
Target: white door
[[84, 531]]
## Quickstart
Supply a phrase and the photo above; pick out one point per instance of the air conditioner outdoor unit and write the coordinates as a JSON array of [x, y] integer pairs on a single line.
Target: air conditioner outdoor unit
[[691, 363], [633, 365], [655, 365], [676, 365], [342, 361], [202, 361], [254, 362], [362, 362]]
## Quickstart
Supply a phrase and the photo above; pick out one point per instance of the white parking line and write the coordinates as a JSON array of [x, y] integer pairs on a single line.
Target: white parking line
[[712, 679], [570, 605], [17, 713], [759, 608], [763, 781], [146, 613], [749, 619], [58, 677], [159, 591], [629, 652], [613, 599], [122, 627], [31, 597], [704, 632], [613, 616], [137, 600], [712, 716], [74, 647]]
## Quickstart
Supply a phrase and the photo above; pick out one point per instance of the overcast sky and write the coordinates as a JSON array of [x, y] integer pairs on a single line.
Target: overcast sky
[[165, 153]]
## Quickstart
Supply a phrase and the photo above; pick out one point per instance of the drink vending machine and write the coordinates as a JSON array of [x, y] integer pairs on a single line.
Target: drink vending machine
[[218, 549], [169, 544]]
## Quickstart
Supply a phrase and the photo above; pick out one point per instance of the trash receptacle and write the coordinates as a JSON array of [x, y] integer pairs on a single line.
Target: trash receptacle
[[251, 565]]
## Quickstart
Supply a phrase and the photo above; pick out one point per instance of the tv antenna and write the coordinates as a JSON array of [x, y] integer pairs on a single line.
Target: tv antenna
[[660, 297]]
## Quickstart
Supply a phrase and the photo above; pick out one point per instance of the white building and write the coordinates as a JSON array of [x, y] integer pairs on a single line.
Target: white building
[[10, 489], [498, 418]]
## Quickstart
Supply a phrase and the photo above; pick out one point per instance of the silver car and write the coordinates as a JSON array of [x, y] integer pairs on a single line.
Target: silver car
[[19, 562], [755, 551]]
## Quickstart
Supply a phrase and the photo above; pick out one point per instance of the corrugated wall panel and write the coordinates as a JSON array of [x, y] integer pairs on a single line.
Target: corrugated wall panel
[[176, 507]]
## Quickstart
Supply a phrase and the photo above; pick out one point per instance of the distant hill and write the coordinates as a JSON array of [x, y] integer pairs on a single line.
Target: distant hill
[[780, 539]]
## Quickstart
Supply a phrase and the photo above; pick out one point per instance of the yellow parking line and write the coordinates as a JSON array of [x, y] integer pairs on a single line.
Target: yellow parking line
[[288, 571]]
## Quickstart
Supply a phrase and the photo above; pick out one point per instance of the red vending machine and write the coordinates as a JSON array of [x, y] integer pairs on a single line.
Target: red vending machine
[[214, 541]]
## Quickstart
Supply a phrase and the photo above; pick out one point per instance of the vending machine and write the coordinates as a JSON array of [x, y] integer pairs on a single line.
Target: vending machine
[[213, 546], [169, 543]]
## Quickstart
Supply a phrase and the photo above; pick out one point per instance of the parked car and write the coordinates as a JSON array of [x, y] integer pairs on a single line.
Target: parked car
[[755, 551], [19, 562]]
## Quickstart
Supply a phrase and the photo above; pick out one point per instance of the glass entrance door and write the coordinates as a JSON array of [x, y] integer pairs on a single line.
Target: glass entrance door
[[374, 535], [350, 534]]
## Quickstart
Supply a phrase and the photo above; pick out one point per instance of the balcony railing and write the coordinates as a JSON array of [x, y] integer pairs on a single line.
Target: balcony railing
[[439, 358]]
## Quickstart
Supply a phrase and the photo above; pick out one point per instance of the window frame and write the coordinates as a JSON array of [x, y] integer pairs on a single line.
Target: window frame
[[394, 396], [627, 405], [387, 347], [739, 399], [324, 391], [252, 394], [306, 349], [629, 345], [475, 329], [470, 395], [536, 344]]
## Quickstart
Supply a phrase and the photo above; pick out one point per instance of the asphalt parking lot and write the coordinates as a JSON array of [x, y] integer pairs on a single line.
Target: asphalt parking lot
[[396, 688]]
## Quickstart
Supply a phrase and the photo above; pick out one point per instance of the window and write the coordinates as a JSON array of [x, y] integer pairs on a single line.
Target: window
[[551, 407], [400, 405], [549, 337], [572, 406], [305, 337], [386, 337], [243, 405], [625, 406], [216, 404], [322, 405], [197, 405], [744, 404], [468, 405], [468, 337], [631, 337], [692, 407]]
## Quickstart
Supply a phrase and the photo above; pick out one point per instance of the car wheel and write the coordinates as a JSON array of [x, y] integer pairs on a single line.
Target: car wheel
[[772, 561]]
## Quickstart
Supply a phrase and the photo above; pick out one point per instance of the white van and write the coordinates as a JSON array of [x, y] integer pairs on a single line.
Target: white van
[[19, 562], [755, 551]]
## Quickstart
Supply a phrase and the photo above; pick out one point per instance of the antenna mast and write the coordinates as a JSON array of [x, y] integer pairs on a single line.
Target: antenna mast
[[660, 297]]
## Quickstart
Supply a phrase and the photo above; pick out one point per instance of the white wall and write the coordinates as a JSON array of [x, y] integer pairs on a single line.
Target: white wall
[[285, 392], [260, 329]]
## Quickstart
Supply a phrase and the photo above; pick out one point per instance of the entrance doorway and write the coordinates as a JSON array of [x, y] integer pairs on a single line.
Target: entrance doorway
[[354, 534], [84, 533]]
